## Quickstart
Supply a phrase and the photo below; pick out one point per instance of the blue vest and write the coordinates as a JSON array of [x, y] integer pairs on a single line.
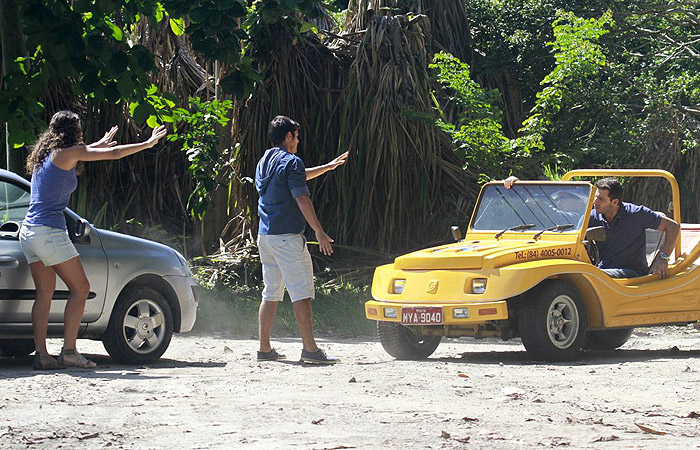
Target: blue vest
[[50, 194]]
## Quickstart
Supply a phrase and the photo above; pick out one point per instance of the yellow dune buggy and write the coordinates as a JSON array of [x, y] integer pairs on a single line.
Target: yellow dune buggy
[[527, 268]]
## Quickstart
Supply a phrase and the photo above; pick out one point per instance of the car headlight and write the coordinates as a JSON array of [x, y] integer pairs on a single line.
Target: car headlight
[[397, 286], [479, 285], [183, 263], [391, 313]]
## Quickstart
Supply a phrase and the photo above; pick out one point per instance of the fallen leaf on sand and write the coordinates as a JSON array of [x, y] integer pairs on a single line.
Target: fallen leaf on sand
[[88, 436], [445, 435], [693, 415], [560, 442], [512, 392], [462, 375], [227, 349], [469, 419], [317, 422], [607, 438], [352, 380], [650, 430]]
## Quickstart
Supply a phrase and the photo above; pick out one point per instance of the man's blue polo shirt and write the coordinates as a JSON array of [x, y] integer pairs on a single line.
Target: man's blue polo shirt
[[625, 243], [280, 178]]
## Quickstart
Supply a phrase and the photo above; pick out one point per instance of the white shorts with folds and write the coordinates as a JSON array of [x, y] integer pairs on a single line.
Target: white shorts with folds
[[286, 262], [46, 244]]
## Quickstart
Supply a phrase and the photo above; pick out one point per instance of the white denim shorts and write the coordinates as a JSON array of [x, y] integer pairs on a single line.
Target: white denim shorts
[[286, 262], [46, 244]]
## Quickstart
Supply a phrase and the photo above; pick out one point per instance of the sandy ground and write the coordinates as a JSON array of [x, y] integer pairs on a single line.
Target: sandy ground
[[208, 392]]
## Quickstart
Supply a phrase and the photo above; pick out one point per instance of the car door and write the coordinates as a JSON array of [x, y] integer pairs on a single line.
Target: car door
[[17, 290]]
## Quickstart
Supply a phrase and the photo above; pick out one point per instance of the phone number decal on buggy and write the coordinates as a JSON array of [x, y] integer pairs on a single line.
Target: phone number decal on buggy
[[546, 253]]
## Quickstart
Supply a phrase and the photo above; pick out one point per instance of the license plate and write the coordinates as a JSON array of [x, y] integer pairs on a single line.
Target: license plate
[[421, 315]]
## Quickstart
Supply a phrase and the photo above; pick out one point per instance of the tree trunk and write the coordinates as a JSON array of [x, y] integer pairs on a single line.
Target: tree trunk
[[12, 47]]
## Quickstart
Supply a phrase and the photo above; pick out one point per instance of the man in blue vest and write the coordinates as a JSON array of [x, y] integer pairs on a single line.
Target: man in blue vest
[[284, 207]]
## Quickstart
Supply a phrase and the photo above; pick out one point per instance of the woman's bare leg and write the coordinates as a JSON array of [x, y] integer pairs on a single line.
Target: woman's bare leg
[[45, 282], [73, 274]]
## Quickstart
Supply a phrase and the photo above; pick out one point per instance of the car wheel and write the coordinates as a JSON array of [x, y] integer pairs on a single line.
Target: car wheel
[[140, 327], [552, 322], [402, 343], [16, 348], [607, 339]]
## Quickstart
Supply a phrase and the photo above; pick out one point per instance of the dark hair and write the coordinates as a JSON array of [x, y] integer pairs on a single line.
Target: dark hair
[[612, 185], [279, 127], [63, 131]]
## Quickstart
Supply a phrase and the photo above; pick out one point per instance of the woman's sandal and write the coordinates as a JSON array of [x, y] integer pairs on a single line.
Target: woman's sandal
[[44, 361], [71, 358]]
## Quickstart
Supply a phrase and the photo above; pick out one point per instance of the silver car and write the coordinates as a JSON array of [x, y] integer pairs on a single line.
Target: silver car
[[140, 291]]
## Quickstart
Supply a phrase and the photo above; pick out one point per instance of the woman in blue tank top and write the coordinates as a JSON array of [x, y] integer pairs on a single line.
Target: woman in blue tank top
[[43, 237]]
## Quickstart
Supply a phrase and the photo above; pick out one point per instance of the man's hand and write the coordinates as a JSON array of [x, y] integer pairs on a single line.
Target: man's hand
[[659, 267], [313, 172], [337, 161], [510, 181], [324, 243]]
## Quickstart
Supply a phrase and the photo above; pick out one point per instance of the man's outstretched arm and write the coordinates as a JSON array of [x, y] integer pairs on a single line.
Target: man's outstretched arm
[[314, 172]]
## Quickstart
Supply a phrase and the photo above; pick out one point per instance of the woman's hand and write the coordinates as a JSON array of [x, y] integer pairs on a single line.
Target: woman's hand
[[157, 134], [106, 140]]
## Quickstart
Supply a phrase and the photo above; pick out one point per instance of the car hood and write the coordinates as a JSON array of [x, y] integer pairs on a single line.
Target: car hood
[[141, 254], [466, 255]]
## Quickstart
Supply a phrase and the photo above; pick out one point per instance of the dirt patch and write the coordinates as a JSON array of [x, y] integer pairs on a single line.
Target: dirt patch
[[208, 392]]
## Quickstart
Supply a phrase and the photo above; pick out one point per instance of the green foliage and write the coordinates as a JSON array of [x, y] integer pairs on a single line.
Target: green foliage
[[199, 132], [86, 42], [578, 56], [477, 132], [623, 93], [553, 172], [92, 44], [509, 35], [233, 32]]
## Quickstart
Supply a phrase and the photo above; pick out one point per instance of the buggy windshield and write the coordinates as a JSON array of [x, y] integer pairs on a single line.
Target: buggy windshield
[[545, 206]]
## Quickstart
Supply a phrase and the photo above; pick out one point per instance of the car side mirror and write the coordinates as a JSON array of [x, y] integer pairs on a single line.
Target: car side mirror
[[82, 228], [9, 230], [456, 233], [596, 234]]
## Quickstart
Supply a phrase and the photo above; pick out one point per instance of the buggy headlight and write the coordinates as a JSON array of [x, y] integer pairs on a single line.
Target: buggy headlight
[[479, 285], [460, 313], [397, 286], [391, 313]]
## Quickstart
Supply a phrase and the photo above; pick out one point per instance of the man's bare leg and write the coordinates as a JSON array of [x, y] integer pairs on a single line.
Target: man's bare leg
[[304, 318], [266, 317]]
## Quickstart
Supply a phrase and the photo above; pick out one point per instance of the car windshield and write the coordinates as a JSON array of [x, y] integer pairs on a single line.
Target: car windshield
[[544, 206]]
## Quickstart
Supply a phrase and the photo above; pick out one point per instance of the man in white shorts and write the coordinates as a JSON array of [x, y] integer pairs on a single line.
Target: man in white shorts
[[284, 208]]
